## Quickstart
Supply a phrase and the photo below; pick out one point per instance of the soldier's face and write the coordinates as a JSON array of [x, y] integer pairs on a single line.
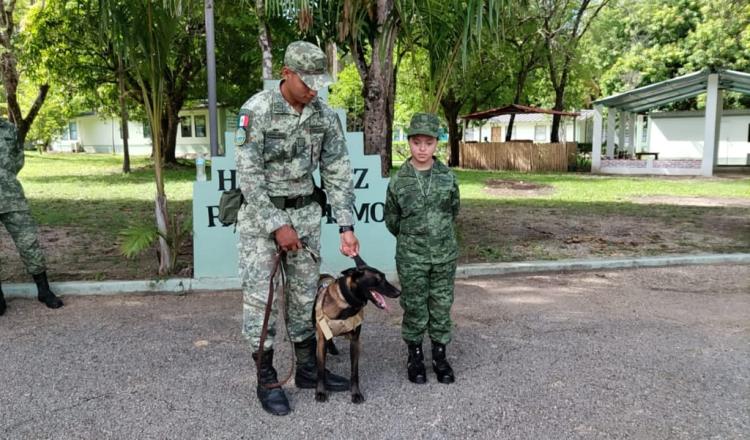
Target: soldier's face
[[422, 148], [296, 88]]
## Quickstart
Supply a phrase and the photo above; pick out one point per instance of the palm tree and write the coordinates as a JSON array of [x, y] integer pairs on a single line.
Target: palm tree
[[146, 31], [370, 29]]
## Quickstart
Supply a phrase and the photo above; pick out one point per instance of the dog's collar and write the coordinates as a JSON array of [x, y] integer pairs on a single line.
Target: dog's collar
[[353, 301]]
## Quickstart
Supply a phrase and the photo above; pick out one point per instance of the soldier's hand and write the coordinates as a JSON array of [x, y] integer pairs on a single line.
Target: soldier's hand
[[349, 244], [287, 238]]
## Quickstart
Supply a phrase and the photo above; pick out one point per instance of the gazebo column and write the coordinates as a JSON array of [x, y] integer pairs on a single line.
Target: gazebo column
[[637, 133], [621, 133], [713, 120], [611, 132], [596, 142], [630, 134]]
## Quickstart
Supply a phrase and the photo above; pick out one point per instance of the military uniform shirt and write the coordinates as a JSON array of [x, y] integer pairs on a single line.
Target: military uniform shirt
[[278, 150], [421, 214], [12, 197]]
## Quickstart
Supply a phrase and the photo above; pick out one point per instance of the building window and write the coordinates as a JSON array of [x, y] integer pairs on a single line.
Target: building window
[[200, 126], [71, 132], [540, 133], [186, 126], [146, 130]]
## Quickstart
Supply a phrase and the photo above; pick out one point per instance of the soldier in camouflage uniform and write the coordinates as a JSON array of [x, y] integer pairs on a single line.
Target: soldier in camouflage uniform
[[283, 136], [15, 215], [421, 206]]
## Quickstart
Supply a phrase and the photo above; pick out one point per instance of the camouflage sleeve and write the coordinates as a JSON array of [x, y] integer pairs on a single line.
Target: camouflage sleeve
[[336, 171], [392, 210], [455, 199], [15, 151], [259, 210]]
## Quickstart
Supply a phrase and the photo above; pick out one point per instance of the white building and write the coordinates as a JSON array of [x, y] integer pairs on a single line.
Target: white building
[[92, 133], [679, 135], [536, 127]]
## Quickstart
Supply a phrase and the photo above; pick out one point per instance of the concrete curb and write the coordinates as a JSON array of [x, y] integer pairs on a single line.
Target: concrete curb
[[180, 286]]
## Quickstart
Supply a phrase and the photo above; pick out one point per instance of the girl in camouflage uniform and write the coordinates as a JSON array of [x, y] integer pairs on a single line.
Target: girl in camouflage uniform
[[420, 210]]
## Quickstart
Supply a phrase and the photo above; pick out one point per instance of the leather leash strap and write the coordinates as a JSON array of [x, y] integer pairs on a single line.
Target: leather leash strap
[[264, 331]]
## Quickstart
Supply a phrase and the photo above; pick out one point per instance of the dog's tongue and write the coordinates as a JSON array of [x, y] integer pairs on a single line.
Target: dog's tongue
[[379, 298]]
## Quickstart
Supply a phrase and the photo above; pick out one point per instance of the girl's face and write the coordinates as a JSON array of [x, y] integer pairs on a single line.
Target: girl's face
[[422, 149]]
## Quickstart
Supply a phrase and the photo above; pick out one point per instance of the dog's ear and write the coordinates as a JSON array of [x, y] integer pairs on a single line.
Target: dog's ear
[[359, 261], [349, 272]]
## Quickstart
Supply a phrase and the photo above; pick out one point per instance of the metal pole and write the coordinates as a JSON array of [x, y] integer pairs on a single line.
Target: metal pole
[[211, 71]]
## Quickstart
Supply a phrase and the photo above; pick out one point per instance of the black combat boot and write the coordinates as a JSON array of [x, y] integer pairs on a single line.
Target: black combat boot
[[306, 375], [273, 400], [3, 306], [440, 364], [44, 294], [415, 364]]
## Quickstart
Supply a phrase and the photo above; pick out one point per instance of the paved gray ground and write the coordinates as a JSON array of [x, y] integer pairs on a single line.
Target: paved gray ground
[[647, 353]]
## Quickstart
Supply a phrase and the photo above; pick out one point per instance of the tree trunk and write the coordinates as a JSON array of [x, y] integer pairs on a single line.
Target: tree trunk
[[559, 105], [451, 108], [377, 78], [9, 73], [333, 60], [123, 117], [509, 131], [168, 133], [264, 40]]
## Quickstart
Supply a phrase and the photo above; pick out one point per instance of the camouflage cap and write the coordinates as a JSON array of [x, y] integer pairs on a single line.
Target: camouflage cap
[[424, 123], [309, 62]]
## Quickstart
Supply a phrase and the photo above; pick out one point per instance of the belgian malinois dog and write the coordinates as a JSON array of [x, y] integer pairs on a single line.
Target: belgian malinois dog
[[338, 312]]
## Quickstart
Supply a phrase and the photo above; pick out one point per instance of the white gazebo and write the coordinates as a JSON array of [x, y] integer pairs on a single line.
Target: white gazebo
[[628, 108]]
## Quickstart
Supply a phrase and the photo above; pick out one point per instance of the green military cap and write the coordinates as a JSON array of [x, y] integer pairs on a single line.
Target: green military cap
[[309, 62], [424, 123]]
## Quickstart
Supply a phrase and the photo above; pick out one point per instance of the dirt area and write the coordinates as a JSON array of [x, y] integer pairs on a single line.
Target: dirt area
[[531, 232], [692, 201], [516, 188], [73, 254]]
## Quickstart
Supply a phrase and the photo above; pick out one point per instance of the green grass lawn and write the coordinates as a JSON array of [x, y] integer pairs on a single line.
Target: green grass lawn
[[91, 191], [585, 188], [83, 201]]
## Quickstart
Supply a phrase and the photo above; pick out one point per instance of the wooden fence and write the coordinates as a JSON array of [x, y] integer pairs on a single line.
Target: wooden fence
[[517, 156]]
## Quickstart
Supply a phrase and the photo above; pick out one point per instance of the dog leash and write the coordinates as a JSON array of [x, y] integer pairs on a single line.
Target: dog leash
[[277, 264]]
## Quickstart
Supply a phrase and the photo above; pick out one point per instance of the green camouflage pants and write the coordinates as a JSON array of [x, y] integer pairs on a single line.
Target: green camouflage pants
[[256, 254], [22, 228], [426, 297]]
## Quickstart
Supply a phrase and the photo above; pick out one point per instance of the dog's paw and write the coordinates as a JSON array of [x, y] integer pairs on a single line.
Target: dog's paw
[[358, 398], [321, 397]]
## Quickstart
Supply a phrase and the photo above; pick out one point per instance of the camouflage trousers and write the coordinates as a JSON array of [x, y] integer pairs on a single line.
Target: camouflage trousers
[[256, 255], [22, 228], [426, 297]]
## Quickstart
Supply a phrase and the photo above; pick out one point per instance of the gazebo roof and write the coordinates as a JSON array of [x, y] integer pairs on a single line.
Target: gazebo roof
[[675, 89], [514, 109]]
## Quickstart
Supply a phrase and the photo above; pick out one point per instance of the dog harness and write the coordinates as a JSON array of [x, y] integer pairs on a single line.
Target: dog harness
[[334, 327]]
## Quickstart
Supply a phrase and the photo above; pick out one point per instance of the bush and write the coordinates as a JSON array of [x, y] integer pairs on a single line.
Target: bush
[[582, 164]]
